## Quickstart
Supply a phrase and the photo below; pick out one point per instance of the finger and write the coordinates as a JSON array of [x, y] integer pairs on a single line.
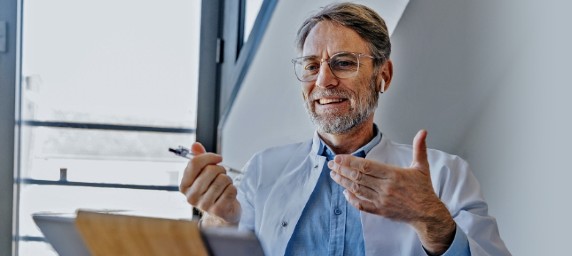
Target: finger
[[196, 191], [189, 175], [197, 148], [226, 205], [364, 166], [355, 175], [354, 187], [362, 205], [214, 191], [420, 149], [229, 193], [195, 167]]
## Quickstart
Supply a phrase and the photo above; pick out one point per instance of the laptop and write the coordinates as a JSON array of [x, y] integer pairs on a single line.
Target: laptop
[[97, 233]]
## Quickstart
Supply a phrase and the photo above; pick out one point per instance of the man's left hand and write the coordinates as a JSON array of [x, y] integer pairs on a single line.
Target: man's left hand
[[397, 193]]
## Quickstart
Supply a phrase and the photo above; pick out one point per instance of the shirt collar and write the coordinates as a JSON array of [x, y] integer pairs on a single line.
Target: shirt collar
[[322, 149]]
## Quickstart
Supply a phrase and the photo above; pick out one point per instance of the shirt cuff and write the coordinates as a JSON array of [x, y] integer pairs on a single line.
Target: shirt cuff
[[460, 245]]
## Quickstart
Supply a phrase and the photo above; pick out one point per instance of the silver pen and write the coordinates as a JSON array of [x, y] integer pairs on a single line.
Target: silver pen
[[186, 153]]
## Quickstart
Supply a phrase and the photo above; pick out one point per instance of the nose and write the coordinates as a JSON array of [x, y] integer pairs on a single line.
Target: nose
[[325, 77]]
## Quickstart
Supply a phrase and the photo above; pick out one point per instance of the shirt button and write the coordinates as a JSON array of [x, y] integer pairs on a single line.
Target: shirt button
[[337, 211], [284, 224]]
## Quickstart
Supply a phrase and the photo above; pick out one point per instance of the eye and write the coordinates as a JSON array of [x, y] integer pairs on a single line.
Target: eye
[[311, 66], [344, 64]]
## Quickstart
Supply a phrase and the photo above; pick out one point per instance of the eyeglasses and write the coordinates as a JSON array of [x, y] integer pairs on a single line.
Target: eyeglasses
[[342, 65]]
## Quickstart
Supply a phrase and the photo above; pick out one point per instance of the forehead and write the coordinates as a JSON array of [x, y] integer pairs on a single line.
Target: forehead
[[328, 38]]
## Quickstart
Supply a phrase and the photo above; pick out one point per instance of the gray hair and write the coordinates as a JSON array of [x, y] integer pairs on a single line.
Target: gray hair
[[362, 19]]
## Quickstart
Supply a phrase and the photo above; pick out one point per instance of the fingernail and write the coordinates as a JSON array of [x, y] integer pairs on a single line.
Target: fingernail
[[331, 164], [337, 159], [333, 174], [345, 192]]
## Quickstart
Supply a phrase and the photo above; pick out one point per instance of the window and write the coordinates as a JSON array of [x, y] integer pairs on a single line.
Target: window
[[251, 12], [107, 87]]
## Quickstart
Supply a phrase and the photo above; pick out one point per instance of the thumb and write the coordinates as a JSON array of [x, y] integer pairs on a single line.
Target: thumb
[[420, 150], [198, 148]]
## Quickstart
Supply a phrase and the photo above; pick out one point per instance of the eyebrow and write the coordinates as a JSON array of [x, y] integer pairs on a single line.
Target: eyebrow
[[316, 56], [309, 57]]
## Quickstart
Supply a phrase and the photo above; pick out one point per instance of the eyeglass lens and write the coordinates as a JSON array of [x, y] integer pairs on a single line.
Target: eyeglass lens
[[343, 65]]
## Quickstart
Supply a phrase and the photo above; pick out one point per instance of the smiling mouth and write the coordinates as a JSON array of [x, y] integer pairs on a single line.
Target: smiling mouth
[[330, 101]]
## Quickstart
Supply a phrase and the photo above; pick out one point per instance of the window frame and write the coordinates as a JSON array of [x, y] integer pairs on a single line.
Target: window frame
[[224, 61], [9, 112]]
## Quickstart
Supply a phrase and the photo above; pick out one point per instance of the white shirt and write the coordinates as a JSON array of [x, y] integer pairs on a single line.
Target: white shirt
[[278, 183]]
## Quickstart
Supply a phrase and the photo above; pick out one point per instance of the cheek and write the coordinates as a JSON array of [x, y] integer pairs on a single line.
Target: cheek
[[365, 88], [306, 90], [356, 90]]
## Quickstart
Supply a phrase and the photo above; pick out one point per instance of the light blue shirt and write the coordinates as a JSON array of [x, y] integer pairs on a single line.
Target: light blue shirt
[[329, 223]]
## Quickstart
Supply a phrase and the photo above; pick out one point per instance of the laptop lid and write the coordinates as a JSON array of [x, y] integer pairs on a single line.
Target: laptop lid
[[115, 234], [59, 230]]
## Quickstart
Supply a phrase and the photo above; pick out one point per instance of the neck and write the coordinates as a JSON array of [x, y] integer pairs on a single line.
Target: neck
[[350, 141]]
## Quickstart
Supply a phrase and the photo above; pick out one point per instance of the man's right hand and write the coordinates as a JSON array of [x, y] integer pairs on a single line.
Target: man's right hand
[[208, 188]]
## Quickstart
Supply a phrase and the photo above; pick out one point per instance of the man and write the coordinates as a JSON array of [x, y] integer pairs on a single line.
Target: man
[[348, 191]]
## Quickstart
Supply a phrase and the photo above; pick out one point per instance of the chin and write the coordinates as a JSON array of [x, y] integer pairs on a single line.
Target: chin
[[335, 125]]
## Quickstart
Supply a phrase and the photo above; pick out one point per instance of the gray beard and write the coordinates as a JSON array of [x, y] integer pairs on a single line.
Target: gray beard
[[333, 123]]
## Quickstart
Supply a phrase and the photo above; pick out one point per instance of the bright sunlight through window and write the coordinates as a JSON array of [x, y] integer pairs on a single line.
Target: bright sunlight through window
[[108, 86]]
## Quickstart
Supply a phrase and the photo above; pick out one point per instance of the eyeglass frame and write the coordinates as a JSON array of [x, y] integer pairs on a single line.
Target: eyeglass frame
[[328, 60]]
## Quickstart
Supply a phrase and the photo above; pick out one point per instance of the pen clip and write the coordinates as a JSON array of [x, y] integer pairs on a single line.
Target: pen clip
[[181, 151]]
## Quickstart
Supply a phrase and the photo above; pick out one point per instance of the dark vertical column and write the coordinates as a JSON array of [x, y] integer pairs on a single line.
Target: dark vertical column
[[209, 78], [8, 78]]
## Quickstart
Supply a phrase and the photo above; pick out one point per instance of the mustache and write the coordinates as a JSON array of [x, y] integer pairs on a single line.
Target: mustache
[[335, 92]]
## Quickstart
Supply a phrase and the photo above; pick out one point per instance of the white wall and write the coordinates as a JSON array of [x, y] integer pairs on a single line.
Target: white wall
[[520, 143]]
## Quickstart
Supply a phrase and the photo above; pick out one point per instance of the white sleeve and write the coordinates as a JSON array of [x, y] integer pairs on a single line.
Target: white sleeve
[[461, 192], [246, 191]]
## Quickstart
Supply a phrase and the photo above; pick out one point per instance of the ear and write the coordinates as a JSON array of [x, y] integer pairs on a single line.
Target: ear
[[384, 76]]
